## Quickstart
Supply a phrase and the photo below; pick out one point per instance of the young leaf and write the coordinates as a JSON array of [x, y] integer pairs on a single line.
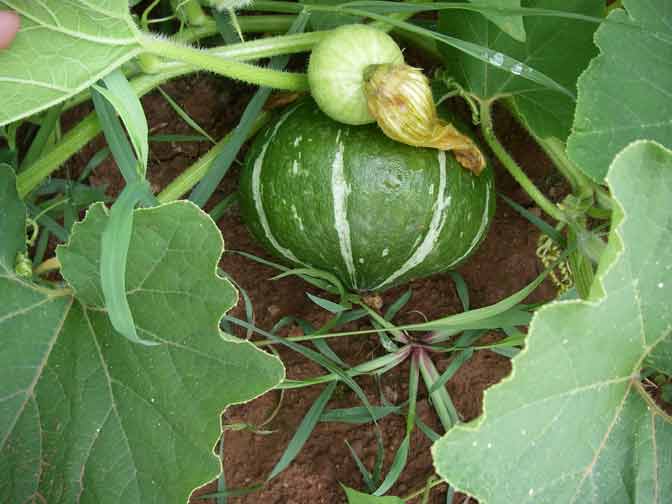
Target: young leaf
[[573, 418], [45, 66], [86, 416], [560, 48], [624, 95]]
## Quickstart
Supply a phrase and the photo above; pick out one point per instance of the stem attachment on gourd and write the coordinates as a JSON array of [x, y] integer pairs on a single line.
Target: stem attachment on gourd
[[400, 98]]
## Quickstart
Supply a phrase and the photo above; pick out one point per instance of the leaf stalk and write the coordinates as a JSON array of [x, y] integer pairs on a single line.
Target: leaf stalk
[[512, 166]]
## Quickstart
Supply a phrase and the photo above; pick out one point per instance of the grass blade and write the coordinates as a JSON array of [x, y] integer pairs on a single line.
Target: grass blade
[[94, 163], [326, 350], [114, 251], [510, 318], [308, 329], [358, 415], [315, 273], [452, 368], [125, 101], [344, 376], [396, 307], [440, 398], [326, 286], [184, 115], [304, 430], [220, 208], [462, 289], [431, 434], [540, 223], [44, 133], [225, 27], [326, 304], [206, 187], [114, 135], [401, 456], [366, 475]]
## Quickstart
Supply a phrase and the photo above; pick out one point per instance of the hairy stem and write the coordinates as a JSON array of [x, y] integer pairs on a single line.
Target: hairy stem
[[228, 67], [248, 24], [77, 138], [89, 127], [245, 51], [510, 164]]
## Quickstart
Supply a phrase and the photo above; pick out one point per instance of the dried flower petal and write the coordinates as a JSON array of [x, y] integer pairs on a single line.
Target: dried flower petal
[[400, 99]]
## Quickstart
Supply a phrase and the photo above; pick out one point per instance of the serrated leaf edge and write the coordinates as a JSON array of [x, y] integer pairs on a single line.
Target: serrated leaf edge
[[475, 425], [206, 217]]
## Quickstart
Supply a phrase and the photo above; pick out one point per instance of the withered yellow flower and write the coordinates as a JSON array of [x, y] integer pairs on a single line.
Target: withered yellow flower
[[399, 97]]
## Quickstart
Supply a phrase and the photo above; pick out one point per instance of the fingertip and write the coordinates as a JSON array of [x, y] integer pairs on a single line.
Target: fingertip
[[9, 26]]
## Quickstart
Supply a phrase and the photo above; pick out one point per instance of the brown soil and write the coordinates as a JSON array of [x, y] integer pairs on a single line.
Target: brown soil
[[505, 263]]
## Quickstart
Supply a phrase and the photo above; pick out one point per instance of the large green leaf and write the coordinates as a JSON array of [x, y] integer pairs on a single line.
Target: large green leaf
[[88, 416], [559, 48], [328, 20], [569, 424], [62, 48], [624, 95], [512, 25]]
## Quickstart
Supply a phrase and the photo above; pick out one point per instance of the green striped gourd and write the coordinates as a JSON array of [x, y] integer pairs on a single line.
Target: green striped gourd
[[348, 200]]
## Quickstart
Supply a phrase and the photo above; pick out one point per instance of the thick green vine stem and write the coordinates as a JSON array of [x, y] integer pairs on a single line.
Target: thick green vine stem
[[556, 150], [78, 136], [266, 47], [262, 24], [229, 68], [510, 164]]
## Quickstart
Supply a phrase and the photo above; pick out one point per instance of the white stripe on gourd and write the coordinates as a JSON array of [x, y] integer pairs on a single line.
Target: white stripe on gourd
[[481, 229], [435, 226], [340, 192], [256, 193]]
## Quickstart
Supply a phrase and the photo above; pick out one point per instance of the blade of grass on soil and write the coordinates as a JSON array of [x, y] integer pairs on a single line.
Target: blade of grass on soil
[[401, 456], [304, 430], [184, 115]]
